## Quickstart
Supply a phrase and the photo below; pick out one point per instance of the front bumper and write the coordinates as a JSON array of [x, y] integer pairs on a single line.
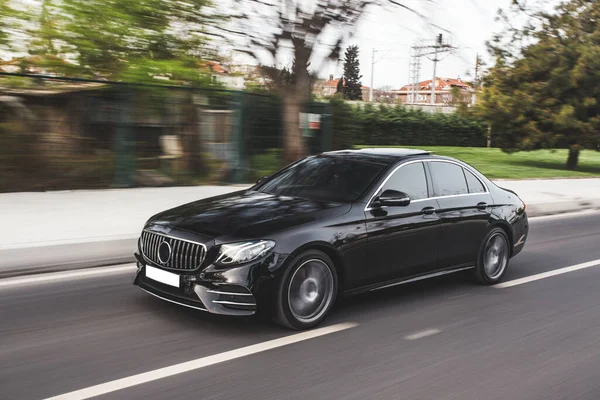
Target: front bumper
[[224, 299]]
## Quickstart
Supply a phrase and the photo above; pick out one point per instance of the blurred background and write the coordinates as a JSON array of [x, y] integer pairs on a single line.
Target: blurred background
[[114, 110], [105, 94]]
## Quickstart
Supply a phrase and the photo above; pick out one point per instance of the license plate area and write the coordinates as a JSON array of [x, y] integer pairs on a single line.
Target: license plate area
[[164, 277]]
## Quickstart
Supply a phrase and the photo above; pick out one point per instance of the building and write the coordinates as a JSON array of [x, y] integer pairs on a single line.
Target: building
[[253, 75], [218, 73], [384, 96], [38, 65], [446, 90], [236, 76], [328, 88]]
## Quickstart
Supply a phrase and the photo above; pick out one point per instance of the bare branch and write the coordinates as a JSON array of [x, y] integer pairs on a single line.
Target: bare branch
[[423, 17], [269, 27]]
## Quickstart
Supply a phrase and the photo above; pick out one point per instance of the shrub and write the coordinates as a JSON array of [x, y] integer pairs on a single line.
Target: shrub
[[385, 125]]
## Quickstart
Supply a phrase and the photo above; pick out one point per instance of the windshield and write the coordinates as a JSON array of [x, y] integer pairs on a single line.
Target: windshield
[[324, 178]]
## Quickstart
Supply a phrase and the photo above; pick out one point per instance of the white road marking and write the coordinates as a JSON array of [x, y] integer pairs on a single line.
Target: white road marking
[[67, 275], [548, 274], [422, 334], [176, 369]]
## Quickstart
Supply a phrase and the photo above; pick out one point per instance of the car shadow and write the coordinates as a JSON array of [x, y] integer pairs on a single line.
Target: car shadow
[[407, 294], [354, 308], [183, 318]]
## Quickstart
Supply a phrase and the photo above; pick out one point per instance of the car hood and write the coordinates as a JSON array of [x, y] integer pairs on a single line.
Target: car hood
[[244, 213]]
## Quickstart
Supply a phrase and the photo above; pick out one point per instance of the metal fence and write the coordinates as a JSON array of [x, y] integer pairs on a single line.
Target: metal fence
[[59, 133]]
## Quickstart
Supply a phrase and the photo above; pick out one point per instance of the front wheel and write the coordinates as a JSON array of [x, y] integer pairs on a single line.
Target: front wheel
[[307, 291], [493, 258]]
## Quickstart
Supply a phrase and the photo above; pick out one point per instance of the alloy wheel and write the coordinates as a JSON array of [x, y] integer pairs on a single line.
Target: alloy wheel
[[311, 290], [495, 257]]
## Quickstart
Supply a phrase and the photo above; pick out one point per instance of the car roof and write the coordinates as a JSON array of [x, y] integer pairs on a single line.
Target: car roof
[[384, 154]]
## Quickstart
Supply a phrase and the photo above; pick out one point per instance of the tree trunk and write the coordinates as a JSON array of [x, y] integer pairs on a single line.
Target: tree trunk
[[192, 161], [293, 142], [573, 158]]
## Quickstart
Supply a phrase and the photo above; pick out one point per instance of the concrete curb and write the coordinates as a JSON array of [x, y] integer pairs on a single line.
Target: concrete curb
[[88, 253], [561, 207], [65, 256]]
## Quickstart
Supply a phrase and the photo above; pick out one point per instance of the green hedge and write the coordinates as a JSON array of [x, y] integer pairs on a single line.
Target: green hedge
[[353, 125], [397, 125]]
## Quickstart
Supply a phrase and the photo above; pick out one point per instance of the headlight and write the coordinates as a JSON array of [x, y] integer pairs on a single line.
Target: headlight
[[238, 253]]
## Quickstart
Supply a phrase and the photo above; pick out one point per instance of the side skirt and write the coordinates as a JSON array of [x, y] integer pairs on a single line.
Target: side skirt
[[402, 281]]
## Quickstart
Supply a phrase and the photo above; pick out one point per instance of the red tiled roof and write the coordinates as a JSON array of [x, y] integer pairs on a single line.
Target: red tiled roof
[[441, 84], [213, 66], [334, 83]]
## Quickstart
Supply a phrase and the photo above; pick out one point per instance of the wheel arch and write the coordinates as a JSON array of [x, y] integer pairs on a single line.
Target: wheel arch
[[505, 226], [330, 251]]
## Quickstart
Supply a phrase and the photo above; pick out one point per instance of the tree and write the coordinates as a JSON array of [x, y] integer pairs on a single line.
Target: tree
[[9, 21], [47, 32], [546, 93], [340, 86], [135, 40], [268, 30], [45, 28], [352, 89]]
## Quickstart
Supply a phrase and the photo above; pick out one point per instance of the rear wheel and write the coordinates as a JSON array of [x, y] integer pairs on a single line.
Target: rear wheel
[[307, 291], [494, 256]]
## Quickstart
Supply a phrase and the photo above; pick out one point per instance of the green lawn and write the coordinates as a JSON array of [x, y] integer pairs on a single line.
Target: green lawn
[[525, 164]]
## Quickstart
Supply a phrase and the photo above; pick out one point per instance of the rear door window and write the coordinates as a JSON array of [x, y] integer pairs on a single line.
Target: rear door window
[[448, 179]]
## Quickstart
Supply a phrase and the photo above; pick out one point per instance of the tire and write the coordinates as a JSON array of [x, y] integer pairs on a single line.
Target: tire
[[307, 291], [494, 257]]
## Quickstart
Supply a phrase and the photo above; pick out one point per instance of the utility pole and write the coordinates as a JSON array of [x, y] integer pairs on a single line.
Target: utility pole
[[476, 88], [434, 49], [408, 96], [477, 65], [414, 73], [372, 74], [435, 61]]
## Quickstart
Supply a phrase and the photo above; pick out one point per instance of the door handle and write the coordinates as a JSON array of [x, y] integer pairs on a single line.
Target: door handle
[[482, 206], [428, 210]]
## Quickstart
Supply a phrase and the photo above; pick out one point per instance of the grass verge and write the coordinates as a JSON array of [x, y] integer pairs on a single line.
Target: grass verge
[[496, 164]]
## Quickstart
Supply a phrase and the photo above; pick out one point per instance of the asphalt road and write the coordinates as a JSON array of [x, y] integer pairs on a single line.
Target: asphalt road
[[441, 339]]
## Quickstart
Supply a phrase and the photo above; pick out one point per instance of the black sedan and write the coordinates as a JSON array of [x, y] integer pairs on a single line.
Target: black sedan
[[337, 223]]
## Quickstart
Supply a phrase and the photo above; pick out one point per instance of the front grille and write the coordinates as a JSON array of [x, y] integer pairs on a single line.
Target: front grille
[[184, 254]]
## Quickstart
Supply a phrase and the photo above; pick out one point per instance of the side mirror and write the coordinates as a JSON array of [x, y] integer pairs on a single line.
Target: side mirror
[[259, 180], [393, 198]]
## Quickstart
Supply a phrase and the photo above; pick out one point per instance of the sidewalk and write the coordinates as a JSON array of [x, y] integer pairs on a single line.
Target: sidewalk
[[84, 228], [555, 196], [76, 229]]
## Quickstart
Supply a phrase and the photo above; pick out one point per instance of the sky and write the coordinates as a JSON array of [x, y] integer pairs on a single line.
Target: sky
[[392, 31]]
